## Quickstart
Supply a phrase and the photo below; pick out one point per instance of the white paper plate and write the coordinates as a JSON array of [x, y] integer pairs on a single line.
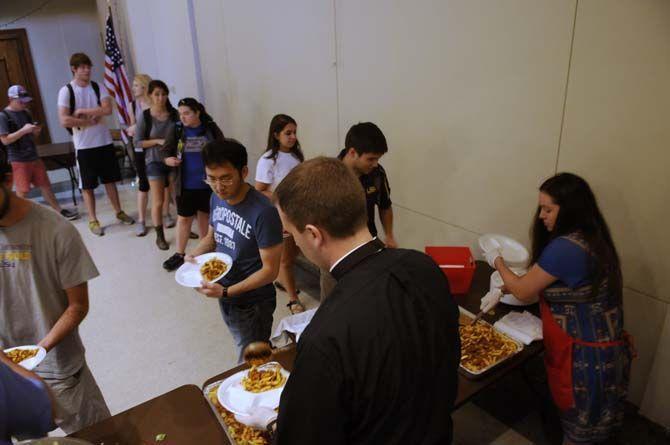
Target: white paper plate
[[236, 399], [188, 274], [513, 252], [32, 362]]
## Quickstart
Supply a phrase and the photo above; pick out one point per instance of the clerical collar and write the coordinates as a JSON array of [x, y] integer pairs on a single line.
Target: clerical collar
[[355, 256]]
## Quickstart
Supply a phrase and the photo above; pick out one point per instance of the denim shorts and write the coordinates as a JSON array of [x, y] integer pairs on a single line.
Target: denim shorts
[[157, 170], [249, 322]]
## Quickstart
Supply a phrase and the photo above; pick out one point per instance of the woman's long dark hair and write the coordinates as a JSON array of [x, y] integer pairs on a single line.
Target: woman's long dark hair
[[579, 213], [160, 84], [196, 106], [277, 125]]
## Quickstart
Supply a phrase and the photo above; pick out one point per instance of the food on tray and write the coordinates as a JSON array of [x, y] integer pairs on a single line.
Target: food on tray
[[263, 378], [19, 355], [464, 319], [212, 269], [483, 346], [240, 433]]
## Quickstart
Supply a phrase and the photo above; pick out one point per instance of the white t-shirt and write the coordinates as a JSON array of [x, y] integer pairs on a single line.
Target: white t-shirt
[[270, 172], [86, 137]]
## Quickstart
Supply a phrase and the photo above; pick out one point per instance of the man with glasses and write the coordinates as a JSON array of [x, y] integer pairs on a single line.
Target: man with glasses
[[244, 224]]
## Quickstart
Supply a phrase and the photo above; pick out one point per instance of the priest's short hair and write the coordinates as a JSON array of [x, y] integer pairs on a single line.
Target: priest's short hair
[[325, 193]]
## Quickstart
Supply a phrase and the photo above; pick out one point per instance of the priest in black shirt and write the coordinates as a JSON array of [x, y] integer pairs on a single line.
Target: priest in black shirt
[[378, 363]]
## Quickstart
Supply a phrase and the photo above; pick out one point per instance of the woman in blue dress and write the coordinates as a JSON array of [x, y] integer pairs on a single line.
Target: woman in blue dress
[[576, 271]]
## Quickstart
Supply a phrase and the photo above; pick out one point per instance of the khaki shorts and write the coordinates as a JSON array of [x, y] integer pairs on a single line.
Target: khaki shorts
[[79, 401]]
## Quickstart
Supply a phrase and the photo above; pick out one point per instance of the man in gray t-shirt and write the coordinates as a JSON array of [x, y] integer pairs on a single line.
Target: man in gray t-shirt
[[44, 270], [17, 133]]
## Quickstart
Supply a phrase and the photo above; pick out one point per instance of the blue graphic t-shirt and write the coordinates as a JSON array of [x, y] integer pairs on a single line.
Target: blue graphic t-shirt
[[241, 230], [193, 169]]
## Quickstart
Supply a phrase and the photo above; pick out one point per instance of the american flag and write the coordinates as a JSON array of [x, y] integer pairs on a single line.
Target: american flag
[[116, 80]]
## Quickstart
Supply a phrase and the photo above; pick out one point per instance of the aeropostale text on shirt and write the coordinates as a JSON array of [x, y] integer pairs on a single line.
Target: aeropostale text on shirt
[[232, 220]]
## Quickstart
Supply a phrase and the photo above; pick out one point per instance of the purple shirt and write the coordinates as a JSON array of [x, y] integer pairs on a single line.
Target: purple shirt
[[25, 407]]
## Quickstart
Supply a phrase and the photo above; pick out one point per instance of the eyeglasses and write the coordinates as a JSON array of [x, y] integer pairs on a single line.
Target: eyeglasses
[[213, 181]]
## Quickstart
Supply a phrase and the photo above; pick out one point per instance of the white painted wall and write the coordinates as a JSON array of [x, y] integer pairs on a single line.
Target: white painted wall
[[471, 96], [288, 68]]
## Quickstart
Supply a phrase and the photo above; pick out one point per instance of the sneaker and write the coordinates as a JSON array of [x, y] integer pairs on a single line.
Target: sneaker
[[94, 227], [169, 221], [69, 214], [140, 229], [125, 219], [173, 262]]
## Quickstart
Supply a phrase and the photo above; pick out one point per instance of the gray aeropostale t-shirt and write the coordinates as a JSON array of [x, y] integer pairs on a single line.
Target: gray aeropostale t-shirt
[[40, 257], [23, 150], [159, 130]]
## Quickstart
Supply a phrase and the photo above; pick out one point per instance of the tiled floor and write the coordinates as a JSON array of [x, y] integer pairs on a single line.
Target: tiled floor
[[146, 335]]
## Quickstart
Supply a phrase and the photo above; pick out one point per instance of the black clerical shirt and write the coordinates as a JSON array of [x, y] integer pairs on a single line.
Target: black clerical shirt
[[378, 362]]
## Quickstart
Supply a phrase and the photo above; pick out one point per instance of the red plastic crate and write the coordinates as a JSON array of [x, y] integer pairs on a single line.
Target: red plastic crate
[[457, 264]]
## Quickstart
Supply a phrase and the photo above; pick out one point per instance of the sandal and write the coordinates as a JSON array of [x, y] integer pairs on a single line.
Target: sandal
[[295, 307], [281, 287]]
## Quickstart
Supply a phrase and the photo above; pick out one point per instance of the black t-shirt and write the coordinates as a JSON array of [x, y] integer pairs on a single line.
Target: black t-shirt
[[377, 192], [378, 362], [24, 149]]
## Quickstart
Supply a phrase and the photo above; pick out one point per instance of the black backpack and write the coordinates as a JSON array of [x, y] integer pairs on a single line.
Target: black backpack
[[12, 126], [96, 89]]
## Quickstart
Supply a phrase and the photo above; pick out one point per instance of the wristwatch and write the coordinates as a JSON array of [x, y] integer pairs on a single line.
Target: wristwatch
[[224, 292]]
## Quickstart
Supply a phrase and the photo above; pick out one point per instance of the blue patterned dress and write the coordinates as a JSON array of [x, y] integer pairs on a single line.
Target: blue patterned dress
[[600, 375]]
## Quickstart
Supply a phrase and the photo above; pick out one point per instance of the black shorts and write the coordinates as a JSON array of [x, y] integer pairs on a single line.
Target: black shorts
[[97, 162], [141, 169], [192, 201]]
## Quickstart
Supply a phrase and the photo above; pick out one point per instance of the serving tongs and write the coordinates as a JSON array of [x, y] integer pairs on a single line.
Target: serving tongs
[[477, 318]]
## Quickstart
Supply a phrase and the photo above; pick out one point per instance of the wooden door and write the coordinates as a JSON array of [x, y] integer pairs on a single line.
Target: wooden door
[[16, 67]]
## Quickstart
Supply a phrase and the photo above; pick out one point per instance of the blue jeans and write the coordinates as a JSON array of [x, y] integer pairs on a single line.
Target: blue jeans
[[248, 322]]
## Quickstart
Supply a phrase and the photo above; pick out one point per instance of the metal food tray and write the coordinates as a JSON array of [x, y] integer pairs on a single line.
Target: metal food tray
[[206, 392], [484, 371]]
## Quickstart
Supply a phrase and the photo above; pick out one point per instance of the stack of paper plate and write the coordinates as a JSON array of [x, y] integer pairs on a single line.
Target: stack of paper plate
[[512, 251]]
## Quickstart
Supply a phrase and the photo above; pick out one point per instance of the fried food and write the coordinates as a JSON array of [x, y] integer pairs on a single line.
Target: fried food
[[19, 355], [213, 269], [464, 319], [240, 433], [483, 346], [263, 378]]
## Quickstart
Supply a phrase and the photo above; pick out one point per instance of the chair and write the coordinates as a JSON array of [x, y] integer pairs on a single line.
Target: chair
[[123, 151]]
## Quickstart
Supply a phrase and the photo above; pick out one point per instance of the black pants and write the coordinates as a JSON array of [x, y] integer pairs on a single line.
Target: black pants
[[141, 169]]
